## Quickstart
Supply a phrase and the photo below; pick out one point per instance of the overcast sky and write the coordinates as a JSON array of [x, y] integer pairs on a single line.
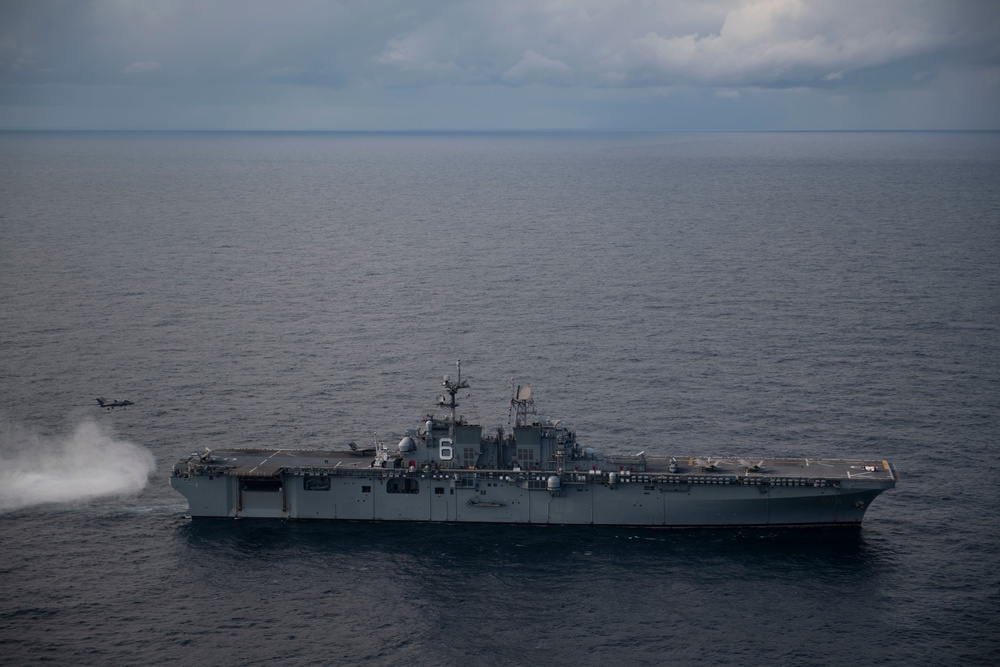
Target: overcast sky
[[504, 64]]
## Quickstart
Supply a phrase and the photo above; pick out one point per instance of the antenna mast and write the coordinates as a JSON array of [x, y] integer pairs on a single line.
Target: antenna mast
[[452, 389], [521, 403]]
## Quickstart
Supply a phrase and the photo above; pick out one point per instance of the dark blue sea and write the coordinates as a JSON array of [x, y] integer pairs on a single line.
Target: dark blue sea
[[751, 294]]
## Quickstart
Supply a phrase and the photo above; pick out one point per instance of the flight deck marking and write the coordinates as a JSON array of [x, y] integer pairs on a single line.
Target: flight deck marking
[[273, 454]]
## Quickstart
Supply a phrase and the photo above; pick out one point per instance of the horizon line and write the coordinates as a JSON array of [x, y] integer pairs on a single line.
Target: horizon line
[[491, 130]]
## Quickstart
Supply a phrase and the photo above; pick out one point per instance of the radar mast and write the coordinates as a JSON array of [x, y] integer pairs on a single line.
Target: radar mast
[[452, 389], [521, 403]]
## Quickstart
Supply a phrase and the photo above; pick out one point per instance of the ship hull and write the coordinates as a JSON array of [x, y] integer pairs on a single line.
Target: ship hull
[[449, 471], [532, 498]]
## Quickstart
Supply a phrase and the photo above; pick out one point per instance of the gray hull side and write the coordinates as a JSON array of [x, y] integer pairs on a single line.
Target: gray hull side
[[500, 501]]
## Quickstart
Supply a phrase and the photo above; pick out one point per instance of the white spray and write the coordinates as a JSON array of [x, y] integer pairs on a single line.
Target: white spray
[[89, 463]]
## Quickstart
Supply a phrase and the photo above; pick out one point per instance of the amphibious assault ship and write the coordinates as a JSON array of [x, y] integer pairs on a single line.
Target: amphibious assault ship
[[448, 470]]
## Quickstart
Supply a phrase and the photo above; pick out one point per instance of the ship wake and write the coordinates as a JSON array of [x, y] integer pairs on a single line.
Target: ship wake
[[89, 463]]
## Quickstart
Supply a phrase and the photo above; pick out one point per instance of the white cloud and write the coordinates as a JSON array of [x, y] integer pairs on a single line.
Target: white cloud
[[616, 43], [534, 68], [722, 43], [784, 42], [601, 59]]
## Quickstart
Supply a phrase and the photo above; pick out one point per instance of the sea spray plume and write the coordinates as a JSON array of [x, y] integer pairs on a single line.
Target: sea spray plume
[[89, 463]]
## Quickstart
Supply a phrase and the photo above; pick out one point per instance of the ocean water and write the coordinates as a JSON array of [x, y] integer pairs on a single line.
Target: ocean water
[[758, 294]]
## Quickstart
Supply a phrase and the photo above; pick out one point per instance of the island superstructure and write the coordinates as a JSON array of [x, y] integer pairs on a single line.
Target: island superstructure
[[449, 470]]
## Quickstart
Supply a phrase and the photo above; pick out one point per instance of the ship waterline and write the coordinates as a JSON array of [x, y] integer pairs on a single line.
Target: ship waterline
[[448, 471]]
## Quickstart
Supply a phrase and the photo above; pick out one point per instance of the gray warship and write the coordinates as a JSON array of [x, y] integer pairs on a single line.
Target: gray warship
[[448, 470]]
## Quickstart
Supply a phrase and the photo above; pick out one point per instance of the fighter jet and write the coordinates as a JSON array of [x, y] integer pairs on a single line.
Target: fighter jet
[[359, 451], [117, 403], [708, 465]]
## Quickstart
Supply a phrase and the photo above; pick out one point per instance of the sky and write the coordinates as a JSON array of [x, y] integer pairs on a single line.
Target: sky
[[500, 65]]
